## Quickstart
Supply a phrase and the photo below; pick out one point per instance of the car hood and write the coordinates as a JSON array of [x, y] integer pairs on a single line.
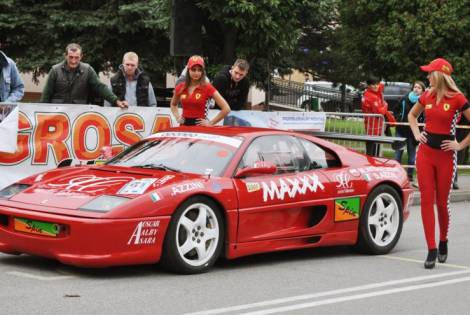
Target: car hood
[[74, 189]]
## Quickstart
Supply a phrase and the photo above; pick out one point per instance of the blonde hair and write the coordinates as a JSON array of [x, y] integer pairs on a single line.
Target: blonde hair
[[131, 56], [444, 86]]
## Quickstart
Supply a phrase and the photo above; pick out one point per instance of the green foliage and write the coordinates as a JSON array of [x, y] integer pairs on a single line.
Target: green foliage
[[36, 33], [266, 32], [338, 40], [392, 38]]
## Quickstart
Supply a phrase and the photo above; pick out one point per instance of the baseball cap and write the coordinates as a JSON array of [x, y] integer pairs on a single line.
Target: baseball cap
[[439, 64], [195, 61]]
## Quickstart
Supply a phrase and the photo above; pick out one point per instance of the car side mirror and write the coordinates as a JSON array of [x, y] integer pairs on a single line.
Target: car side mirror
[[64, 163], [259, 168]]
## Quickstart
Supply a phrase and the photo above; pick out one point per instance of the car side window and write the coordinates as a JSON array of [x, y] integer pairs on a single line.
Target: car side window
[[319, 157], [286, 153]]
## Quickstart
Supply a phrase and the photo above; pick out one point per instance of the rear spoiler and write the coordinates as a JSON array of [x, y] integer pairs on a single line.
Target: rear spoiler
[[396, 142]]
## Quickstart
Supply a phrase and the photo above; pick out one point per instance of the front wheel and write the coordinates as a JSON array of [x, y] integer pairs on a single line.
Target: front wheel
[[194, 238], [381, 221]]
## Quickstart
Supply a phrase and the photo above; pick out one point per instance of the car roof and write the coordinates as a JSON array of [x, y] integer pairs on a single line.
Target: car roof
[[230, 131], [250, 133]]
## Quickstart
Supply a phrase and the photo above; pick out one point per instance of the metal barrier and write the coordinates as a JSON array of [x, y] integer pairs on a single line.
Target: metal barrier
[[353, 124]]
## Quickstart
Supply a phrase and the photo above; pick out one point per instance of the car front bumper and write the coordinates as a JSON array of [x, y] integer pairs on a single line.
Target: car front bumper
[[86, 242]]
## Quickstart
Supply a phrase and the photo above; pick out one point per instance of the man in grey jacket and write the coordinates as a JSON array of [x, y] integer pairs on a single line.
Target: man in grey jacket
[[11, 84]]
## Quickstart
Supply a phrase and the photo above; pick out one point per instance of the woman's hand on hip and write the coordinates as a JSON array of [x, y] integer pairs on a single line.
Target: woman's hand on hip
[[421, 138], [450, 145], [204, 122]]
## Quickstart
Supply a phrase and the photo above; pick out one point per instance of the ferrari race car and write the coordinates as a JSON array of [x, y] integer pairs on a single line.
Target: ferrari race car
[[187, 195]]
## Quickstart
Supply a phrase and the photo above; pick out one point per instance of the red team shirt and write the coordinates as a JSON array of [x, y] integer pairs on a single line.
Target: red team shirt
[[441, 118], [194, 105]]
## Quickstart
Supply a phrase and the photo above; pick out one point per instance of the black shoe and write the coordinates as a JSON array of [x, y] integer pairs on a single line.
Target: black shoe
[[442, 255], [455, 186], [430, 262]]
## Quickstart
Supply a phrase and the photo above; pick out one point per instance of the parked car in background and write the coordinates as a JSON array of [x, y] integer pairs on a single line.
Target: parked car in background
[[394, 91], [325, 95]]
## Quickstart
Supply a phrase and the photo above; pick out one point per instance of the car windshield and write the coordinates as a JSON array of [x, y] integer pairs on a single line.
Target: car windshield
[[181, 152]]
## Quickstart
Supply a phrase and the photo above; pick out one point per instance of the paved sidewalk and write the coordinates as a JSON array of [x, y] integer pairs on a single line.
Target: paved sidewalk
[[462, 194]]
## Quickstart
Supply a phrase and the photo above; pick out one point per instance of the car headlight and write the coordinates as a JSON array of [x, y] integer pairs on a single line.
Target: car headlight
[[12, 190], [104, 203]]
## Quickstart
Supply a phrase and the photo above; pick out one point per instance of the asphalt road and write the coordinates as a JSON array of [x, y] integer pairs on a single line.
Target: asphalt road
[[316, 281]]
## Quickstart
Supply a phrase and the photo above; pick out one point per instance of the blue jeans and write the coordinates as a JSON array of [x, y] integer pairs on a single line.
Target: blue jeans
[[411, 149]]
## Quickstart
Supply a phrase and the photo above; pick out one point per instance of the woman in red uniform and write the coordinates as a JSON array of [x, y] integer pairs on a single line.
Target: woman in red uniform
[[193, 95], [436, 160], [373, 103]]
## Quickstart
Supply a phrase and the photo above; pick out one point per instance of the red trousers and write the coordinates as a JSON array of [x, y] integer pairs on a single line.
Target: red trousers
[[435, 171]]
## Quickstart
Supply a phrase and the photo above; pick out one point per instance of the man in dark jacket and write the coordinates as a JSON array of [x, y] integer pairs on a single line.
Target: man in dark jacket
[[132, 84], [400, 112], [233, 85], [73, 81]]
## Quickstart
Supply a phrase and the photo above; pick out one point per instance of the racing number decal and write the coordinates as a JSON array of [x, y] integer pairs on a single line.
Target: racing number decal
[[347, 209]]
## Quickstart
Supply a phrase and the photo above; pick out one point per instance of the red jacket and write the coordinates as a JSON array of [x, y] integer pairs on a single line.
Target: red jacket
[[374, 103]]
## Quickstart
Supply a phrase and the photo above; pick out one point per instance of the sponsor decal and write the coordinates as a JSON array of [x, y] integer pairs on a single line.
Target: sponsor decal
[[290, 186], [36, 227], [216, 187], [155, 197], [144, 233], [428, 106], [222, 153], [252, 187], [163, 180], [182, 188], [234, 142], [347, 209], [183, 96], [39, 178], [137, 186], [88, 183], [344, 183], [369, 173]]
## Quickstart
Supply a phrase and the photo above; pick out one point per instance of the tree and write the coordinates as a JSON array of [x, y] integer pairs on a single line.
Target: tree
[[265, 32], [36, 33], [392, 38]]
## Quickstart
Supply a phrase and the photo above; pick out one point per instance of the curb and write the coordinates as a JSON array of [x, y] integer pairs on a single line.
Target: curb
[[455, 196]]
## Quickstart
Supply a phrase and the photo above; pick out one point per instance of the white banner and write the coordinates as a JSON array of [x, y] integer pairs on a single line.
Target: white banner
[[8, 127], [48, 134]]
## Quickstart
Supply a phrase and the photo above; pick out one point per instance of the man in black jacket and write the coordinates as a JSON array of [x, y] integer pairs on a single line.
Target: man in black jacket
[[233, 85], [132, 84]]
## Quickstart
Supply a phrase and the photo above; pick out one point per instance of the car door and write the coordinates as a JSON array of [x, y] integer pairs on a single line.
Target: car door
[[292, 202], [350, 185]]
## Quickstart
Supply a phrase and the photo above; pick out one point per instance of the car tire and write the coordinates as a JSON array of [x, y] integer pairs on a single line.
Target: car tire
[[381, 221], [194, 238]]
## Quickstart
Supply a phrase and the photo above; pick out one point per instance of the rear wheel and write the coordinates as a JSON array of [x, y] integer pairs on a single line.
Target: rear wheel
[[194, 238], [381, 221]]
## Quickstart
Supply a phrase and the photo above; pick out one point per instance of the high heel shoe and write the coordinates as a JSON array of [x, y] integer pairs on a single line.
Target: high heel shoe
[[442, 255], [430, 261]]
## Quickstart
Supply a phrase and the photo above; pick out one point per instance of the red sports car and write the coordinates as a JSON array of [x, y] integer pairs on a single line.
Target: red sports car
[[187, 195]]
